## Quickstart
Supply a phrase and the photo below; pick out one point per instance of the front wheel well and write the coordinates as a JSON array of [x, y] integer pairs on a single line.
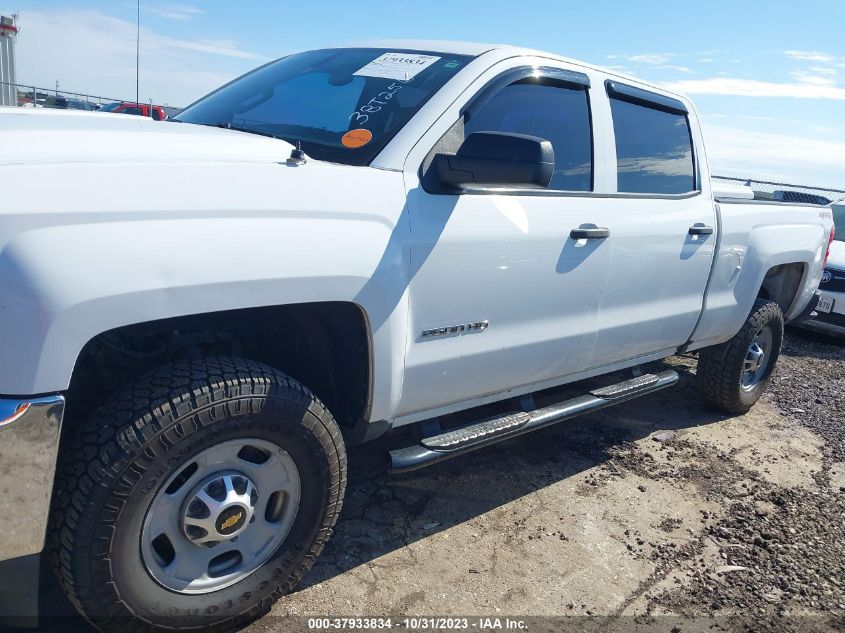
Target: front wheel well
[[325, 346]]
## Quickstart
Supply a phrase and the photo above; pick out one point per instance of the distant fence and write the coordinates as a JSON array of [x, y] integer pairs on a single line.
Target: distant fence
[[769, 190], [35, 96]]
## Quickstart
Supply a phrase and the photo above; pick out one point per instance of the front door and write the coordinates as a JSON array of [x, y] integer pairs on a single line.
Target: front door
[[500, 295]]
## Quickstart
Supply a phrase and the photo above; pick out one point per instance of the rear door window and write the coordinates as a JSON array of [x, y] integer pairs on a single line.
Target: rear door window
[[653, 149]]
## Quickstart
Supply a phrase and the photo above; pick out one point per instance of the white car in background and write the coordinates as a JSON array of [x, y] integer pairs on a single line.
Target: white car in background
[[829, 315]]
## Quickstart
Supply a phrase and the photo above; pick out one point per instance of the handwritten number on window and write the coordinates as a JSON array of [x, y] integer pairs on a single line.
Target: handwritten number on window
[[362, 114]]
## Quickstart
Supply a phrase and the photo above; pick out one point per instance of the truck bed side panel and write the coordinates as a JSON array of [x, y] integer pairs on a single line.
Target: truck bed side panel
[[755, 237]]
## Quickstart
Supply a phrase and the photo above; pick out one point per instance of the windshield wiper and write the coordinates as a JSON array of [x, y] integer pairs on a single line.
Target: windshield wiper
[[229, 126]]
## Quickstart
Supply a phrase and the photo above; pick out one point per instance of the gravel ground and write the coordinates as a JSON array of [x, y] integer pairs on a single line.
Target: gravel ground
[[809, 386], [659, 515], [781, 546]]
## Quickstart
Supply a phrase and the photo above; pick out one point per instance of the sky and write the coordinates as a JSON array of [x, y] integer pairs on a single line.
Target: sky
[[768, 78]]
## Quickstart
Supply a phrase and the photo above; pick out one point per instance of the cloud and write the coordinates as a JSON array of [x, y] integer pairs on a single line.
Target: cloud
[[680, 69], [823, 70], [814, 80], [774, 156], [808, 88], [174, 71], [173, 11], [650, 58], [226, 48], [660, 61], [810, 56]]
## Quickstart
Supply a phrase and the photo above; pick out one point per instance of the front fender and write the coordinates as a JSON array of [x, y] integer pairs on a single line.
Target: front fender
[[68, 277]]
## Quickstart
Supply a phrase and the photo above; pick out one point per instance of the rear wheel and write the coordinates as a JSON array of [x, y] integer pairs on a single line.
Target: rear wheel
[[196, 498], [734, 375]]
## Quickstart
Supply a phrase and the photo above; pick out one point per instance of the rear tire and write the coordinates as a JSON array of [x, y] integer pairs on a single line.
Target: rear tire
[[165, 437], [734, 375]]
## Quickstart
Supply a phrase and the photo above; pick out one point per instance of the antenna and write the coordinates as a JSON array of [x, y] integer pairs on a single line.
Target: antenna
[[297, 156], [138, 56]]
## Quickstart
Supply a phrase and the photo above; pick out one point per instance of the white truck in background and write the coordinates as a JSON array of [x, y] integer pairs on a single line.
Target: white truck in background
[[829, 315], [196, 315]]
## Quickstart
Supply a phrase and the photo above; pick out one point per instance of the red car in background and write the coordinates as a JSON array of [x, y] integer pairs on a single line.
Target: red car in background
[[139, 109]]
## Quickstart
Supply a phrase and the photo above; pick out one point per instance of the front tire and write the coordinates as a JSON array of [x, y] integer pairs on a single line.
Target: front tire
[[734, 375], [201, 494]]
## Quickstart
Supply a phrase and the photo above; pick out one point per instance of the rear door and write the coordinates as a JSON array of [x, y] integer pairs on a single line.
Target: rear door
[[663, 230]]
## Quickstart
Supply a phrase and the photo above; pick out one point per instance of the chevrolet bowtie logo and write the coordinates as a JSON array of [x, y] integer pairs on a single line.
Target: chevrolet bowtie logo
[[232, 520]]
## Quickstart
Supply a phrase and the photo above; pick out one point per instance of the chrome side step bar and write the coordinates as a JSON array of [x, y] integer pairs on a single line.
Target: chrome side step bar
[[489, 431]]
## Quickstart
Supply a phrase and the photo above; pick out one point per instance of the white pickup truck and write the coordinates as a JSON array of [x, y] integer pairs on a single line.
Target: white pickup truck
[[829, 315], [196, 315]]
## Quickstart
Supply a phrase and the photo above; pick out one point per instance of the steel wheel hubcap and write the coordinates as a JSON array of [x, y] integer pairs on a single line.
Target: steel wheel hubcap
[[757, 359], [219, 509], [221, 516]]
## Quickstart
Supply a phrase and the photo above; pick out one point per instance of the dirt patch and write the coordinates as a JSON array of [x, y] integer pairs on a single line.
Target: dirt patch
[[778, 551]]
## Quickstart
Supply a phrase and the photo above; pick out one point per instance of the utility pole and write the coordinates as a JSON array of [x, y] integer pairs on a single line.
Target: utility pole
[[138, 57]]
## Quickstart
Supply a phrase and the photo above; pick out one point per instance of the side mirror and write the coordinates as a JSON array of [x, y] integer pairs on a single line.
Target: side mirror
[[498, 159]]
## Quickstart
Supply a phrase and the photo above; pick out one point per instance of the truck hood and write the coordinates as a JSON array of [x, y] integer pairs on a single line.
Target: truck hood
[[33, 136]]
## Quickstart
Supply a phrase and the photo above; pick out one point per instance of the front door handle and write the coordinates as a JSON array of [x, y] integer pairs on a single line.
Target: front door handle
[[700, 229], [597, 233]]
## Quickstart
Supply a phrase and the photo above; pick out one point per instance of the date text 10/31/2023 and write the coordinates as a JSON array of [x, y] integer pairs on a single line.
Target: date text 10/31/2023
[[418, 623]]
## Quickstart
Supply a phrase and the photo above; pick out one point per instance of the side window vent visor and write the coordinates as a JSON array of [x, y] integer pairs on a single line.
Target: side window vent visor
[[526, 74], [645, 98]]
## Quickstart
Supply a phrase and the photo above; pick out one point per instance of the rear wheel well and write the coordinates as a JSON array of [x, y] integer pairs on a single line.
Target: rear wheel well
[[325, 346], [781, 284]]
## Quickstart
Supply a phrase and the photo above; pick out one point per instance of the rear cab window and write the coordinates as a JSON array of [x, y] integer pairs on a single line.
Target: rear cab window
[[654, 150]]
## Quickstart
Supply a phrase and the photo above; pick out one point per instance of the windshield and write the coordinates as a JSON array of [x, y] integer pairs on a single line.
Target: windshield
[[343, 105], [839, 222]]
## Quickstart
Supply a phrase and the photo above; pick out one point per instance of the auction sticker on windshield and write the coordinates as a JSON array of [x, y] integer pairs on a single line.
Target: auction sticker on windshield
[[401, 66], [356, 138]]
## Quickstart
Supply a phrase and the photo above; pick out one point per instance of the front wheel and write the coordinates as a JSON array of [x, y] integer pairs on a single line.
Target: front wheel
[[734, 375], [197, 497]]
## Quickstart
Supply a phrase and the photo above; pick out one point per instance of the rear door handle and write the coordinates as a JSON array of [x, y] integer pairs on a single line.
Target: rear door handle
[[700, 229], [597, 233]]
